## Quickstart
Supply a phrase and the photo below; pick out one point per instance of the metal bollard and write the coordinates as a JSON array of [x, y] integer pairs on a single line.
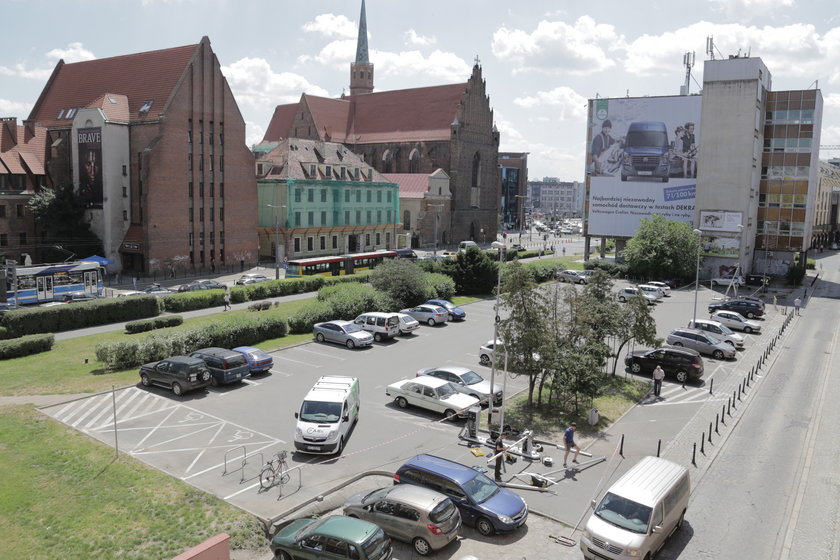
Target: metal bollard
[[723, 414], [733, 400], [717, 417], [710, 432], [621, 447], [739, 392], [729, 406], [747, 379], [703, 443], [694, 455], [658, 448], [711, 385]]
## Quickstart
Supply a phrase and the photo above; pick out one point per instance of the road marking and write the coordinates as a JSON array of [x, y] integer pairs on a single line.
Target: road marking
[[249, 382], [321, 354]]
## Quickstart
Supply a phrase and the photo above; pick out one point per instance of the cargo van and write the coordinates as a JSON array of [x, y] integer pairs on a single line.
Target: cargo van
[[647, 151], [328, 412], [639, 512], [464, 245], [381, 325]]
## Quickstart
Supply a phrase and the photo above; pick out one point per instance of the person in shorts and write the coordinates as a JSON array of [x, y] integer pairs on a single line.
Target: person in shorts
[[569, 443]]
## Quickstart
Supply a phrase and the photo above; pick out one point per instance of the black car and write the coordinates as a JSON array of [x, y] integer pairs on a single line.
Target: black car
[[748, 309], [681, 363], [179, 373]]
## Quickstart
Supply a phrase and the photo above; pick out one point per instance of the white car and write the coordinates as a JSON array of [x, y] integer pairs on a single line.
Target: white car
[[408, 323], [655, 291], [433, 394], [666, 289], [718, 329], [629, 292], [736, 321], [727, 280]]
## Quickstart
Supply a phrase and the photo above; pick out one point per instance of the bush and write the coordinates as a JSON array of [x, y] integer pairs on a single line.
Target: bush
[[348, 301], [795, 275], [71, 316], [401, 281], [315, 312], [135, 327], [611, 268], [811, 264], [544, 271], [26, 345], [439, 286]]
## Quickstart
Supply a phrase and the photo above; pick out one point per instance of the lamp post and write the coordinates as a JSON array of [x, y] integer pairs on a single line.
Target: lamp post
[[437, 208], [696, 274], [276, 239], [502, 248]]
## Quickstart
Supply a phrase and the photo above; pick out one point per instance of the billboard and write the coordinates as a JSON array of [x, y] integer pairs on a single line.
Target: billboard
[[641, 160], [90, 166]]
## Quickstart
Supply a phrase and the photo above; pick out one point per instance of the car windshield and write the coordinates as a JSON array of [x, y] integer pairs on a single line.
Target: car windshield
[[377, 494], [320, 412], [480, 488], [442, 512], [624, 513], [471, 378], [445, 391], [440, 310], [725, 330], [351, 328], [375, 544]]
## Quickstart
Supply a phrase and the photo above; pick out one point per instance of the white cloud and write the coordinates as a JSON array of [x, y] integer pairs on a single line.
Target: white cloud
[[570, 103], [254, 133], [336, 54], [747, 9], [9, 108], [412, 38], [21, 71], [75, 52], [555, 46], [255, 84], [439, 65], [331, 25]]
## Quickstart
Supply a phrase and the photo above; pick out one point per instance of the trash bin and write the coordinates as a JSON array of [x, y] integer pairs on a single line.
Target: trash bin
[[594, 416]]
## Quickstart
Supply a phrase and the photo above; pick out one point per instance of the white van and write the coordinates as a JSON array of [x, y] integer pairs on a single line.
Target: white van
[[326, 415], [639, 512], [381, 325], [463, 245]]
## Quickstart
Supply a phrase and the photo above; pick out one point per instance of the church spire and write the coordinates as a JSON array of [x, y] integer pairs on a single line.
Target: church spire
[[361, 71]]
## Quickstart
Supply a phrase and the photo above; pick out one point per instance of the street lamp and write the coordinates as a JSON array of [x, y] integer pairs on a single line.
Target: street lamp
[[276, 239], [697, 274], [502, 248]]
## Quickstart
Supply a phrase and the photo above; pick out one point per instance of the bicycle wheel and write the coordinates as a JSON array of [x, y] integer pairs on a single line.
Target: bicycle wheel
[[284, 474], [267, 476]]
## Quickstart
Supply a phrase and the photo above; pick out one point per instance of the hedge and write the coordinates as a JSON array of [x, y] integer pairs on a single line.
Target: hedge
[[26, 345], [154, 323]]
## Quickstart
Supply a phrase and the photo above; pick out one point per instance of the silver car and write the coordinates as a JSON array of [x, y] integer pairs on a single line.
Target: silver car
[[408, 324], [430, 314], [420, 516], [572, 276], [466, 381], [719, 330], [703, 342], [342, 332], [736, 321]]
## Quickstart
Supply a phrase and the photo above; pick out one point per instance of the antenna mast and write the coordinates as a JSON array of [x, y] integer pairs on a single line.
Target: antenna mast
[[688, 62]]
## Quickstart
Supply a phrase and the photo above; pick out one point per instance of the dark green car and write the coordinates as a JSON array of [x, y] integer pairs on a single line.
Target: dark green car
[[331, 537]]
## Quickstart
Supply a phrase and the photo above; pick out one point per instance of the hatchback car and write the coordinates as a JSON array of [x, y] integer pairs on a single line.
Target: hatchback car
[[572, 276], [78, 297], [455, 312], [482, 502], [681, 363], [735, 321], [729, 280], [413, 514], [703, 342], [466, 381], [258, 361], [408, 324], [247, 279], [334, 536], [629, 292], [666, 289], [718, 329], [342, 332], [655, 291], [432, 394], [430, 314], [748, 309]]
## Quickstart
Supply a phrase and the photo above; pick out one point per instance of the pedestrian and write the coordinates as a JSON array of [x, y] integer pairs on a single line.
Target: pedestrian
[[797, 303], [564, 251], [569, 441], [171, 271], [134, 282], [658, 376], [213, 266], [226, 299], [500, 456], [285, 263]]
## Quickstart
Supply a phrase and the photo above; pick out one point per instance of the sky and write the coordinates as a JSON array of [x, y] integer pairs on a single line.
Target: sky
[[541, 59]]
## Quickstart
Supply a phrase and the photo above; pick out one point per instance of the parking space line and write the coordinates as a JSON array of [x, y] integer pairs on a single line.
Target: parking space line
[[122, 396], [201, 454], [104, 400], [249, 382], [320, 354], [146, 395], [303, 363], [110, 424], [153, 430]]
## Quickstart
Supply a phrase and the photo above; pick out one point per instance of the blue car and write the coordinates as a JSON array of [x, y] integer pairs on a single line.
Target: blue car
[[455, 312], [482, 502], [258, 361]]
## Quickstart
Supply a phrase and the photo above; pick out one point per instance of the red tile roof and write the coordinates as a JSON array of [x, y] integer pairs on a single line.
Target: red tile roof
[[113, 106], [20, 149], [412, 185], [141, 77], [281, 122]]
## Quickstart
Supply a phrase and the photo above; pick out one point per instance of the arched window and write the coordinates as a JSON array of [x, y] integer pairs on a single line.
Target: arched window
[[386, 161], [414, 161], [406, 220], [476, 170]]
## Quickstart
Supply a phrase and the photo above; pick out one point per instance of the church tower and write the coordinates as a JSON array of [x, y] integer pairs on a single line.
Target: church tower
[[361, 71]]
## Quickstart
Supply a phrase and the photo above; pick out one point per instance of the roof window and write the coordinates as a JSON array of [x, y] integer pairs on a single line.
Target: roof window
[[112, 100], [146, 106], [71, 113], [60, 114]]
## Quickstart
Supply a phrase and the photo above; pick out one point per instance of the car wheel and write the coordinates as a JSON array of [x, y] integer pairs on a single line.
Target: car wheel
[[680, 521], [730, 343], [402, 403], [748, 330], [714, 283], [214, 382], [176, 388], [282, 555], [679, 344], [750, 315], [484, 359], [144, 379], [319, 337], [484, 526], [582, 281], [340, 447], [636, 367], [431, 322], [350, 344], [421, 546], [622, 299], [681, 376], [377, 337], [717, 354], [450, 415]]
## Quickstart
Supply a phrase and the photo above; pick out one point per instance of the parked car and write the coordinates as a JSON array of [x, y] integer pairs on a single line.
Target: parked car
[[719, 330], [755, 300], [455, 312], [381, 325], [179, 373], [487, 350], [466, 381], [251, 278], [681, 363], [430, 314], [448, 255], [226, 366], [79, 297], [482, 502], [198, 285], [727, 280], [626, 293], [155, 290], [408, 324], [407, 254], [666, 289], [517, 247], [413, 514], [432, 394], [586, 273], [748, 309], [342, 332], [702, 341], [571, 276], [652, 290], [333, 536], [258, 361], [735, 321]]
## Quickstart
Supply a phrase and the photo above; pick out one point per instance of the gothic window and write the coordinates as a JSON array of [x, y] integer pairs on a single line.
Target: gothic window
[[414, 161], [387, 161], [476, 170]]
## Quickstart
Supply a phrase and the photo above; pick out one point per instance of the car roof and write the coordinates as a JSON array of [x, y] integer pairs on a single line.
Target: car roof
[[339, 322], [418, 496], [678, 350], [347, 528], [649, 480], [429, 381], [451, 469], [457, 370]]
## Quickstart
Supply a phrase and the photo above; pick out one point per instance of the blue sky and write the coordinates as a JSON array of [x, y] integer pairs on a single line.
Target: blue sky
[[542, 59]]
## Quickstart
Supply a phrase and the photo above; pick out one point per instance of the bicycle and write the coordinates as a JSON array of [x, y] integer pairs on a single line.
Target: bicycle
[[274, 471]]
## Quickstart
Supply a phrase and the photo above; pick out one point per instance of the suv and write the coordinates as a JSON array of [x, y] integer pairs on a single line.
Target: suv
[[482, 502], [382, 325], [652, 290], [179, 373], [226, 366], [701, 341], [748, 309], [682, 363]]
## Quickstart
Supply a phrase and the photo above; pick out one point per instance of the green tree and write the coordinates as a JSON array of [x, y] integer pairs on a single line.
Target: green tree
[[474, 272], [662, 248], [61, 217], [402, 281]]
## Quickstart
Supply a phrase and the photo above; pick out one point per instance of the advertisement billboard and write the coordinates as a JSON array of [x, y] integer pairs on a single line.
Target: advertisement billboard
[[641, 160], [90, 166]]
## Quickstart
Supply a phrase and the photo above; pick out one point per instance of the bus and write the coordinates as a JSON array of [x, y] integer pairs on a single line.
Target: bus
[[50, 282], [337, 265]]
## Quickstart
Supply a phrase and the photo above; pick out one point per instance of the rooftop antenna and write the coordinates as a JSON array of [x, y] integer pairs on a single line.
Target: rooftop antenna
[[711, 48], [688, 62]]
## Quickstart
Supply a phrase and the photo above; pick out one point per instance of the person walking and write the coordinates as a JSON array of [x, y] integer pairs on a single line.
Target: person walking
[[134, 282], [797, 303], [226, 299], [569, 441], [658, 376], [500, 456]]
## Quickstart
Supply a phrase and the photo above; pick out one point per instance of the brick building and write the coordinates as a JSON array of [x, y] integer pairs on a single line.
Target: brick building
[[155, 144]]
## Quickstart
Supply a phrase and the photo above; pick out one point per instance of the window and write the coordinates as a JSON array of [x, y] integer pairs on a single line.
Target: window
[[369, 196], [335, 242], [125, 170], [389, 196], [2, 210], [297, 245], [369, 221], [346, 218], [358, 217], [19, 209], [323, 195], [379, 197], [310, 195], [379, 216], [323, 243], [313, 170], [323, 218], [378, 239], [310, 219], [22, 238], [328, 172], [125, 215], [310, 243], [70, 113], [298, 194], [406, 219], [201, 214], [367, 240], [358, 196], [347, 196], [297, 219]]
